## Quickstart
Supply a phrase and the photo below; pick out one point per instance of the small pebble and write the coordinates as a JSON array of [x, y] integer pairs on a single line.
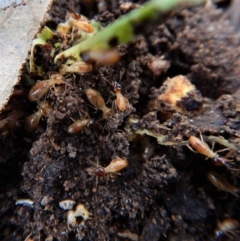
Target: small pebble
[[67, 204]]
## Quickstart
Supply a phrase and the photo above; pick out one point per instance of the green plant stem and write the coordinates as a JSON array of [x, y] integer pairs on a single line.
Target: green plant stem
[[123, 29]]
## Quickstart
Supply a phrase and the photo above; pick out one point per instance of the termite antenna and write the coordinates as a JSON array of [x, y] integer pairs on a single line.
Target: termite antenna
[[106, 80], [231, 168]]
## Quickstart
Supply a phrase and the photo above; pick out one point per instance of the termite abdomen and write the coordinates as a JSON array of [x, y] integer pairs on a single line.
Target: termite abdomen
[[38, 90], [77, 126], [201, 147]]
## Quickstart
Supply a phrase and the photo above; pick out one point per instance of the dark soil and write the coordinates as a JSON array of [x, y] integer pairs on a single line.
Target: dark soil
[[163, 193]]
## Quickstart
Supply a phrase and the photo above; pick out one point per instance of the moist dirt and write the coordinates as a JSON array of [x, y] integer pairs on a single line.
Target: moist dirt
[[163, 193]]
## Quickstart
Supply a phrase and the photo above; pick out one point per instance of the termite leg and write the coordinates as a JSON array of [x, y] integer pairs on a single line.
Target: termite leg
[[201, 137], [225, 149], [189, 147]]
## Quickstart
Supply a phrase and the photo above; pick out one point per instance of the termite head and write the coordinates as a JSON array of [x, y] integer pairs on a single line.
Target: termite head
[[218, 234], [57, 79], [73, 14], [44, 108], [219, 161], [117, 87], [98, 172]]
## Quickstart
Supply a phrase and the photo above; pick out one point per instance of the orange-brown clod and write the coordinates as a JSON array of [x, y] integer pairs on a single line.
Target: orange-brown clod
[[177, 95]]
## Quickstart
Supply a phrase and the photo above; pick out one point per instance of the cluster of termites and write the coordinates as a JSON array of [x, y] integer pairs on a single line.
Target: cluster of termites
[[92, 60], [74, 21], [36, 93], [97, 101], [41, 88]]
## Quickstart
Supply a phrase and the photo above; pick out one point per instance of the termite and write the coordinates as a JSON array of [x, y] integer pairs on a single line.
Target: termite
[[75, 20], [121, 101], [32, 121], [116, 165], [77, 126], [101, 57], [10, 122], [78, 67], [228, 227], [97, 101], [81, 25], [222, 184], [203, 148], [42, 87]]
